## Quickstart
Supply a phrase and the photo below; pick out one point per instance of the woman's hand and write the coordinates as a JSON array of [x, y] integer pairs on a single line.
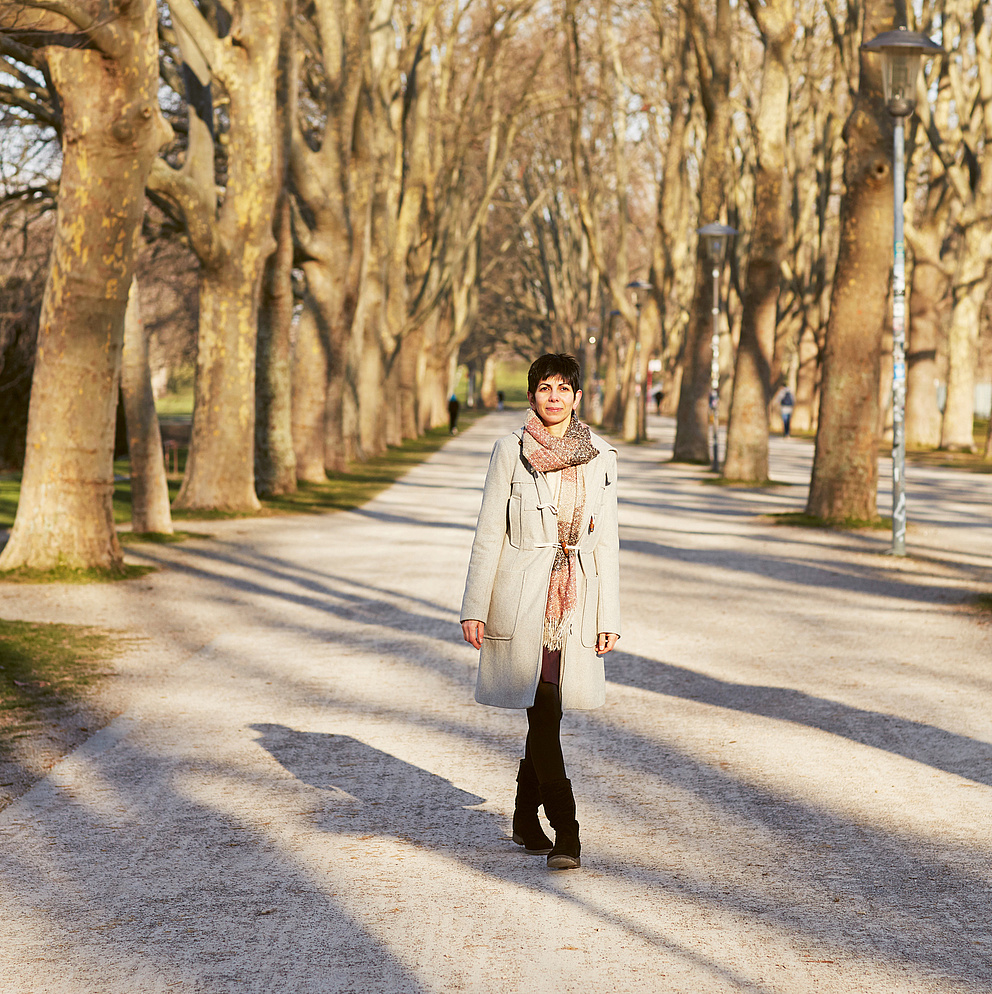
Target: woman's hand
[[605, 641], [472, 632]]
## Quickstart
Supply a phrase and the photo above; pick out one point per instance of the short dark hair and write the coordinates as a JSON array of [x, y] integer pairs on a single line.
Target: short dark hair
[[561, 364]]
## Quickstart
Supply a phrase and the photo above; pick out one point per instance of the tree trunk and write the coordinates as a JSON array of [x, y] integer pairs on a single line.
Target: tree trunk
[[610, 392], [371, 399], [232, 238], [275, 460], [406, 362], [747, 431], [803, 416], [220, 468], [958, 426], [149, 486], [922, 412], [691, 434], [971, 81], [310, 365], [112, 131], [487, 392], [845, 464]]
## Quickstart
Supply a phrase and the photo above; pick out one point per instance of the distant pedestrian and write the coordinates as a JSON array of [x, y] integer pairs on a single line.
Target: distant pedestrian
[[659, 395], [542, 596], [453, 407], [499, 400], [786, 404]]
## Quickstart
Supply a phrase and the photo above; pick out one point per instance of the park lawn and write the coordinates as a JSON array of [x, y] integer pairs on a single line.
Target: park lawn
[[46, 669], [341, 491]]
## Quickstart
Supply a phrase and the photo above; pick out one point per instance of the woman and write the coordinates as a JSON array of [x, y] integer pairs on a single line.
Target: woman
[[542, 597]]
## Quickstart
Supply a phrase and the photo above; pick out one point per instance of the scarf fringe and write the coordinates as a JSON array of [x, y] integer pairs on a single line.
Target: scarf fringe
[[555, 631]]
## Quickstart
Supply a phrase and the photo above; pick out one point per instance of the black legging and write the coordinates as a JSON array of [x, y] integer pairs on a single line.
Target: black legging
[[543, 747]]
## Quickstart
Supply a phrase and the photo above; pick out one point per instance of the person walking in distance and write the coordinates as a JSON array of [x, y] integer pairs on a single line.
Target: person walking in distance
[[542, 595], [453, 407], [786, 404]]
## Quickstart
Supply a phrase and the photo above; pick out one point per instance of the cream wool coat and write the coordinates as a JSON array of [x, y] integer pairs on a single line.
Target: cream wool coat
[[510, 569]]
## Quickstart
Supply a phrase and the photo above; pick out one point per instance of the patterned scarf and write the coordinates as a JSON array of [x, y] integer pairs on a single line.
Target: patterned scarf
[[546, 453]]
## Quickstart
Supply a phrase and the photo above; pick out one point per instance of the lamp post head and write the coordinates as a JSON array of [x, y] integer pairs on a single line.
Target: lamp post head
[[717, 237], [902, 53]]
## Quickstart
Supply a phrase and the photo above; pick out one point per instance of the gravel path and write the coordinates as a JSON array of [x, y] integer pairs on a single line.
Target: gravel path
[[789, 790]]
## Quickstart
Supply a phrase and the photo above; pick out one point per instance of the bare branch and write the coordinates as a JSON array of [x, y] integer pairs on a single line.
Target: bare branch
[[41, 112], [186, 16], [183, 193], [105, 34]]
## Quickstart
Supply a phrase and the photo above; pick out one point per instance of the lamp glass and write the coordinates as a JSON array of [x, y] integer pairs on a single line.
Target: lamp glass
[[900, 70], [716, 247]]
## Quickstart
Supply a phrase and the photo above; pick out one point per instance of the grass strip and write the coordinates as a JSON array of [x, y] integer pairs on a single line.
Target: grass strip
[[802, 520], [68, 574], [340, 492], [46, 668]]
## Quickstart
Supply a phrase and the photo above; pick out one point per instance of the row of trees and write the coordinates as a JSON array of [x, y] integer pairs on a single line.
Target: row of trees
[[372, 187]]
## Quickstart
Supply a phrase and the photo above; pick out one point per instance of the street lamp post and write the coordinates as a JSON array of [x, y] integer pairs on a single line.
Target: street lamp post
[[640, 289], [717, 237], [902, 53]]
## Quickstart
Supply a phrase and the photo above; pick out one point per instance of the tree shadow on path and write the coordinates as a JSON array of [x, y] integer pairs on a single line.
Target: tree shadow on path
[[922, 743], [914, 898]]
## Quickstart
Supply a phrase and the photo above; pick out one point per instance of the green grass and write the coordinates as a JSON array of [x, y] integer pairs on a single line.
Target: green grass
[[69, 574], [157, 538], [178, 399], [341, 491], [802, 520], [10, 491], [984, 602], [40, 663], [178, 403], [45, 672], [720, 481], [511, 378]]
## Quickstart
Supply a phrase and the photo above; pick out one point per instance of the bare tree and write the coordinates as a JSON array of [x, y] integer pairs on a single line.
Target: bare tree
[[711, 44], [230, 228], [275, 459], [964, 148], [149, 486], [845, 466], [747, 432], [102, 61]]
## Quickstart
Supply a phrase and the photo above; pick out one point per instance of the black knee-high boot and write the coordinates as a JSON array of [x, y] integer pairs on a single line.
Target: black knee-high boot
[[527, 831], [559, 806]]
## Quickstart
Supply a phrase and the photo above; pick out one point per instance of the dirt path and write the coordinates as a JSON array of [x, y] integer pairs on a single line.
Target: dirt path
[[789, 790]]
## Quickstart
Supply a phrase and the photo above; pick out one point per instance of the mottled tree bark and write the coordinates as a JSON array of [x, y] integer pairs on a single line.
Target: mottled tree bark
[[922, 412], [112, 131], [845, 465], [310, 378], [970, 284], [232, 238], [747, 431], [275, 460], [969, 31], [713, 54], [149, 486]]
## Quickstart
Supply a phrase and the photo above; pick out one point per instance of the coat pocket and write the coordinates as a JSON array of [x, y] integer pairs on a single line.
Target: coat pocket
[[526, 523], [505, 604]]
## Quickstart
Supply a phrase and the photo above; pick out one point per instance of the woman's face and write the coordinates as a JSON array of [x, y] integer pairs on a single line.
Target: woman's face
[[553, 402]]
